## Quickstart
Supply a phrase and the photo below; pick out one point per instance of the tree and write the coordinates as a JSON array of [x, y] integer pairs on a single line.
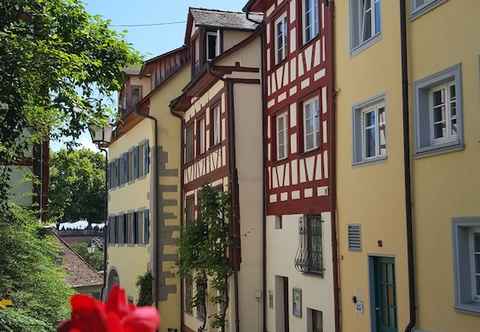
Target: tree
[[203, 252], [145, 285], [58, 66], [94, 259], [77, 186], [29, 274]]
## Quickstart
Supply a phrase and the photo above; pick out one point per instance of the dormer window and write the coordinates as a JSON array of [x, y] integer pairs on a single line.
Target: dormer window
[[136, 94], [213, 45]]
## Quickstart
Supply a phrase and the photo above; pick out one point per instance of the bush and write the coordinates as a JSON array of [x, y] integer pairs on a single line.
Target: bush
[[145, 293], [94, 259], [14, 320]]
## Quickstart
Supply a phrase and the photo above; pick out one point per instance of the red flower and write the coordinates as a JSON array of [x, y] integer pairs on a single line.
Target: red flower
[[90, 315]]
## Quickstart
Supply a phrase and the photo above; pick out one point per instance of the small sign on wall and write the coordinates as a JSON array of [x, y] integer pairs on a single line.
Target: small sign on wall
[[270, 299], [297, 302]]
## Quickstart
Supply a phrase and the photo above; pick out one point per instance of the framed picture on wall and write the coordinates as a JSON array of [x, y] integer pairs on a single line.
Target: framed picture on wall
[[297, 302]]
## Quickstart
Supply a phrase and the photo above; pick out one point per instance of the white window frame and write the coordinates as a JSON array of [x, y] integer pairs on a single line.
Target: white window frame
[[475, 274], [202, 147], [315, 103], [314, 20], [373, 22], [447, 104], [284, 117], [284, 38], [216, 34], [376, 127], [217, 126]]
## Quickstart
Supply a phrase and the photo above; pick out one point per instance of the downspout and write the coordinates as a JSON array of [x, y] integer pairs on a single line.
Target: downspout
[[330, 4], [182, 291], [156, 241], [407, 169], [105, 231], [234, 188]]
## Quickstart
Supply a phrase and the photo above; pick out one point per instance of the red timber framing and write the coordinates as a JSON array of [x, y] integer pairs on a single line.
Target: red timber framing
[[300, 183]]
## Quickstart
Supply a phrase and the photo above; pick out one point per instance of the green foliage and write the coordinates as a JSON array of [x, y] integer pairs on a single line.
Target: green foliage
[[203, 252], [94, 259], [144, 283], [28, 271], [58, 65], [14, 320], [77, 186]]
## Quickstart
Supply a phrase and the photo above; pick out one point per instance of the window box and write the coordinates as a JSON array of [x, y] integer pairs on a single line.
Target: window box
[[466, 246], [369, 131], [439, 112]]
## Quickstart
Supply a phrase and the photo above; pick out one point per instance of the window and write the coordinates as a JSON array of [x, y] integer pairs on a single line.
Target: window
[[282, 135], [369, 136], [141, 160], [136, 94], [189, 152], [311, 124], [216, 125], [140, 227], [136, 155], [131, 165], [201, 136], [278, 222], [125, 229], [146, 227], [135, 228], [314, 320], [213, 45], [146, 156], [314, 243], [420, 7], [189, 210], [201, 309], [438, 112], [310, 20], [365, 21], [467, 263], [188, 295], [281, 38]]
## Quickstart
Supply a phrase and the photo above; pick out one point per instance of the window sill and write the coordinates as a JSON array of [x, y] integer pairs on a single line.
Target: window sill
[[281, 63], [416, 13], [310, 153], [468, 308], [373, 161], [435, 150], [310, 42], [277, 162], [366, 44], [314, 274]]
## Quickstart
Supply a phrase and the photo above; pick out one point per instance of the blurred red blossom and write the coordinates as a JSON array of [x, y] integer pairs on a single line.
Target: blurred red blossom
[[90, 315]]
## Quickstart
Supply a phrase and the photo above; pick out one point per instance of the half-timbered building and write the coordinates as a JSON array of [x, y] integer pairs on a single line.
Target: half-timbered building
[[221, 113], [299, 165]]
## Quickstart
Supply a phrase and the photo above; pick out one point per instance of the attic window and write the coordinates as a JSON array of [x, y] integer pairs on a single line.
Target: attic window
[[213, 45]]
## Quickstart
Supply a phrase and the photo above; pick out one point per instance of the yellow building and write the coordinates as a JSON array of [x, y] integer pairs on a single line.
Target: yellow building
[[144, 209], [370, 167], [443, 55]]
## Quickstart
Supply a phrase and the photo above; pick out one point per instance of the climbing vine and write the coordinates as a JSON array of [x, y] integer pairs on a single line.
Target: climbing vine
[[203, 252]]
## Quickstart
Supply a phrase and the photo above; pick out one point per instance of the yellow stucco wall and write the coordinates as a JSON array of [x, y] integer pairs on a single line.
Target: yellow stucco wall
[[131, 261], [372, 194], [446, 185]]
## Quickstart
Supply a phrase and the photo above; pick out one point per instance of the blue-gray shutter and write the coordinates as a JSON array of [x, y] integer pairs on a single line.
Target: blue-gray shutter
[[146, 227], [136, 154], [147, 157]]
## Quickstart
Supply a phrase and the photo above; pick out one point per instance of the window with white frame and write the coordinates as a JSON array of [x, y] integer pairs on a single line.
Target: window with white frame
[[189, 143], [213, 45], [282, 135], [310, 20], [438, 112], [365, 21], [311, 124], [467, 263], [201, 136], [443, 113], [369, 131], [216, 127], [420, 7], [281, 38]]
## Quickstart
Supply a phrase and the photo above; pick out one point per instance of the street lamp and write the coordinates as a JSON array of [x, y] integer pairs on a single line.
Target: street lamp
[[102, 137]]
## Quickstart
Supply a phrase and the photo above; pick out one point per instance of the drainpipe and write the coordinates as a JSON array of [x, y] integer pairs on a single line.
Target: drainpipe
[[182, 291], [407, 169], [103, 294], [330, 6], [156, 242]]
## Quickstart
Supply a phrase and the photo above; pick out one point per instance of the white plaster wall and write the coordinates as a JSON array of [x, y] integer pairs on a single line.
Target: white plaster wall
[[317, 292]]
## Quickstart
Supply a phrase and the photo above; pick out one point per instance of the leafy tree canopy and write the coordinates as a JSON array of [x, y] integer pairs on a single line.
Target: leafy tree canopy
[[58, 64], [77, 186]]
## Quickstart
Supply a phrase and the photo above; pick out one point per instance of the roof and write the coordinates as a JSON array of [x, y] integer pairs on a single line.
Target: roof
[[257, 5], [163, 55], [79, 272], [224, 19], [133, 70]]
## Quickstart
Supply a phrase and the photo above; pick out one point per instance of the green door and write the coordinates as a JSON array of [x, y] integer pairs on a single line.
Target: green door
[[385, 298]]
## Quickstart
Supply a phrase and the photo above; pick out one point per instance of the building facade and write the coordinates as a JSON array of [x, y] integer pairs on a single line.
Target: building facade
[[301, 273], [144, 179], [221, 118]]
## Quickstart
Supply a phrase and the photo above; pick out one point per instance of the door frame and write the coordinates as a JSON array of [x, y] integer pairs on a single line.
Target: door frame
[[372, 293]]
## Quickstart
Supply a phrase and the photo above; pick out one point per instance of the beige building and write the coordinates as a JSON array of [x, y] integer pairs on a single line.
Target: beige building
[[222, 133], [144, 211]]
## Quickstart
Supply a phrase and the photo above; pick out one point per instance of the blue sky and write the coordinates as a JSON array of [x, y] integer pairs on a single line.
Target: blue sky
[[151, 41]]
